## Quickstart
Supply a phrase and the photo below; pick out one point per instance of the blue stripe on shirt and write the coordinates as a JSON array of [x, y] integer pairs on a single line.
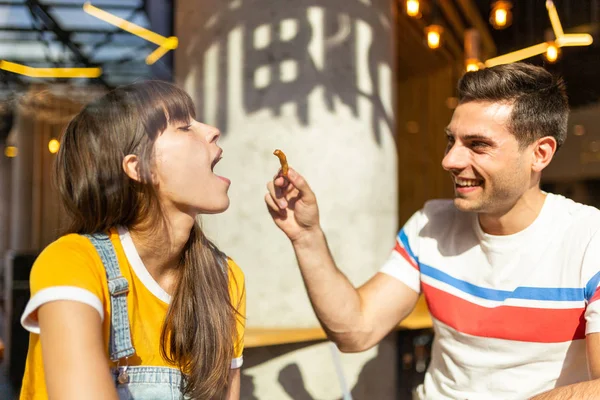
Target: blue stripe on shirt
[[591, 286], [404, 240], [524, 292]]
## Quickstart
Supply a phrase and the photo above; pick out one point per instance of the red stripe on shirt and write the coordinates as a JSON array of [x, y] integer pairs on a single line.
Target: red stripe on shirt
[[525, 324], [596, 296], [405, 255]]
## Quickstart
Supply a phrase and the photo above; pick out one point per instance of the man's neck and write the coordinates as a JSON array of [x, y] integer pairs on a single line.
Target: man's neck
[[517, 218]]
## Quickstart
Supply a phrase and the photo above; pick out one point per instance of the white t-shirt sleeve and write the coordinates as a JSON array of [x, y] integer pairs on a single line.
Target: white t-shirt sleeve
[[591, 281], [403, 263], [29, 319], [65, 270], [237, 362]]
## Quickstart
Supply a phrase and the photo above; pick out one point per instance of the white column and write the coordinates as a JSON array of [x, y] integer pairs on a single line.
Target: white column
[[316, 80]]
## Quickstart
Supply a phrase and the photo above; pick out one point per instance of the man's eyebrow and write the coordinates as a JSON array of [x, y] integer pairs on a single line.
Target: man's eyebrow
[[477, 136], [471, 136]]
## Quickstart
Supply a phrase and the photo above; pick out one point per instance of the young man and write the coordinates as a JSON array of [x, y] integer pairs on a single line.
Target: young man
[[510, 273]]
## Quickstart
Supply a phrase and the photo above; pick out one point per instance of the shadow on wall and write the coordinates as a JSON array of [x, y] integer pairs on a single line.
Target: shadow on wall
[[292, 382], [374, 374], [287, 49], [290, 379]]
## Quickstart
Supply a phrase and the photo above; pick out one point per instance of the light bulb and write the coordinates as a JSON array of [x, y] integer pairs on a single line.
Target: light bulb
[[472, 65], [501, 16], [10, 151], [53, 146], [552, 53], [412, 8], [434, 36]]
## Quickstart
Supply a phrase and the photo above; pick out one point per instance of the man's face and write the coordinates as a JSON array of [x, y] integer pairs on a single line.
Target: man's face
[[489, 170]]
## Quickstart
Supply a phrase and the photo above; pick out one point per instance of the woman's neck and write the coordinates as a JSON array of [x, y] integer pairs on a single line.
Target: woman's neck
[[160, 247]]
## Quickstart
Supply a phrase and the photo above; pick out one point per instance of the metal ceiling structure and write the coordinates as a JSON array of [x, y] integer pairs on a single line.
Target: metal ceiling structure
[[58, 33]]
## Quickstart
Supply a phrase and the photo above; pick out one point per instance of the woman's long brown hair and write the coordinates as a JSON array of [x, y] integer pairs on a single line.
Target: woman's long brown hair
[[199, 331]]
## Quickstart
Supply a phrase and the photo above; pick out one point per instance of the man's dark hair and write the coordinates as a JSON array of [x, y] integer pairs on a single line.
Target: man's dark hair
[[540, 105]]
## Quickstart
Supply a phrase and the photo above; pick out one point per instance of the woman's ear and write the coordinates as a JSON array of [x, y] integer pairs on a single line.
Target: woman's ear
[[130, 166]]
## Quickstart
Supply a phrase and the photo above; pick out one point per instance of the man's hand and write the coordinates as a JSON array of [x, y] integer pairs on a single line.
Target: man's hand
[[293, 205]]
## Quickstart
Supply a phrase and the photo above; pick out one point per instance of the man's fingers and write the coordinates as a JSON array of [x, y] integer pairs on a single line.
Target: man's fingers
[[283, 189], [276, 214], [280, 188], [300, 183], [275, 205], [282, 196], [280, 180], [271, 187], [275, 192]]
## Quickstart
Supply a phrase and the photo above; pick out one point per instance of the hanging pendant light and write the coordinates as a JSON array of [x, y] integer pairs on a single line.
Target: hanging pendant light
[[434, 36], [413, 8], [501, 15]]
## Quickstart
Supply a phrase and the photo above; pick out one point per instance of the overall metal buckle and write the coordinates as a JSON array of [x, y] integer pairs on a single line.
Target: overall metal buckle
[[123, 376]]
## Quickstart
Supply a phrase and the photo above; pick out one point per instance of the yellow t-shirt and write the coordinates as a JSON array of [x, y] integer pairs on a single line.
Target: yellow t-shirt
[[71, 269]]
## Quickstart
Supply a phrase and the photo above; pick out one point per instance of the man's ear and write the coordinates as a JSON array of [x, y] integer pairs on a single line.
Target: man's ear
[[130, 166], [543, 151]]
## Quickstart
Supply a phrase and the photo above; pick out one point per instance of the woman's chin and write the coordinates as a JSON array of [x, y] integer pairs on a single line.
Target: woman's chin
[[216, 208]]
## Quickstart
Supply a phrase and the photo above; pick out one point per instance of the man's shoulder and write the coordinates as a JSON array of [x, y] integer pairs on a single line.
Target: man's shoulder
[[442, 210], [439, 206], [573, 221], [441, 215], [578, 213]]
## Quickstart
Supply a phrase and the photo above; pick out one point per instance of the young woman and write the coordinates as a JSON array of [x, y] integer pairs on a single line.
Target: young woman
[[135, 302]]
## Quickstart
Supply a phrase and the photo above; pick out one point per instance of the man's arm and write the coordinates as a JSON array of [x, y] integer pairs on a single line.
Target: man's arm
[[354, 319], [583, 390]]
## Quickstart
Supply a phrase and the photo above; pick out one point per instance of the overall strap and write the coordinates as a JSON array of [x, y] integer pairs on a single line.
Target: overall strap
[[120, 337]]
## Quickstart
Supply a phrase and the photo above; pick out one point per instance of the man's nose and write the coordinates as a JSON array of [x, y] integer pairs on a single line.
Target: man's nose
[[456, 158]]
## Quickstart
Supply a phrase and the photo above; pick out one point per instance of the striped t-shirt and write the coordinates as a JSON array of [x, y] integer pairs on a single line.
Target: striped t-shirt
[[510, 313]]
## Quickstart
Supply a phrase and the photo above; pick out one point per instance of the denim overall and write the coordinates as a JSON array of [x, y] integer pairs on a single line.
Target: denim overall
[[132, 383]]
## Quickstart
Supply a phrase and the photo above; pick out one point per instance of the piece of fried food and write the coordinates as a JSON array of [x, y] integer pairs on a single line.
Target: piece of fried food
[[283, 161]]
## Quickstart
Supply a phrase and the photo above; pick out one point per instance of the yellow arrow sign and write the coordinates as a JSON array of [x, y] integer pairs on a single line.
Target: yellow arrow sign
[[50, 72], [165, 44]]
